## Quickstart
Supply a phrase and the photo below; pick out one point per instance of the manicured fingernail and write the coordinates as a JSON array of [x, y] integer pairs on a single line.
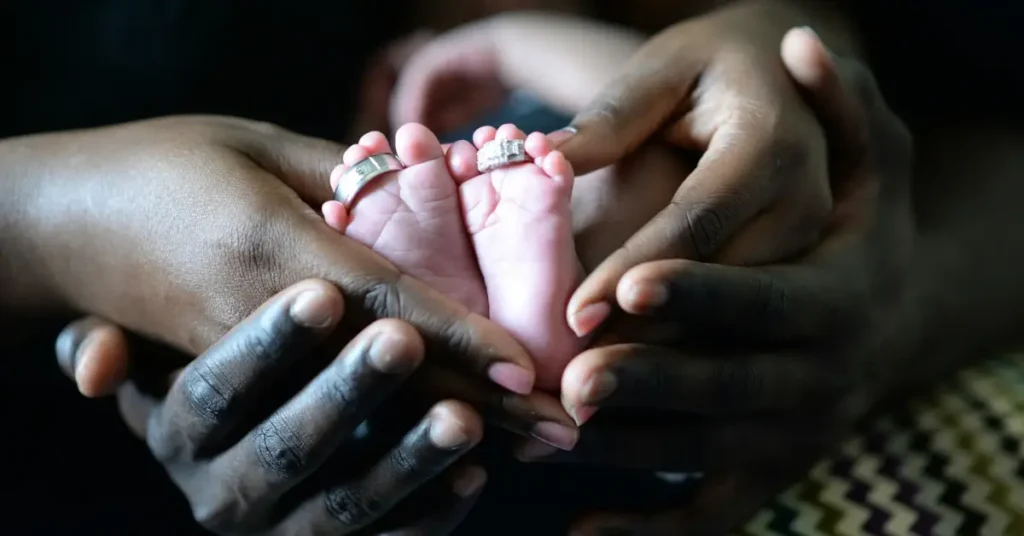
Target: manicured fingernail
[[560, 136], [646, 295], [582, 414], [555, 434], [312, 309], [587, 319], [599, 387], [447, 433], [388, 354], [511, 377], [469, 481], [534, 450]]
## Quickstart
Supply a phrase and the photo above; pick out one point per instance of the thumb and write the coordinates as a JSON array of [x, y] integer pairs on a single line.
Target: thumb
[[627, 113], [94, 354], [302, 162]]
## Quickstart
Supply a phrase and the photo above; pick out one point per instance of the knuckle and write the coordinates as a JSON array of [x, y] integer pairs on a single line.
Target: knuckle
[[209, 390], [280, 448], [247, 258], [707, 223], [351, 506], [383, 298]]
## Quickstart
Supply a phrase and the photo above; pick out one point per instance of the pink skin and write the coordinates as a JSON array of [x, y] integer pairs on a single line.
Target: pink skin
[[411, 216], [518, 221]]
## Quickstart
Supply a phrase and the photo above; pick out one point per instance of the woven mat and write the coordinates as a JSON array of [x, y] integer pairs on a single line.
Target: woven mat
[[950, 464]]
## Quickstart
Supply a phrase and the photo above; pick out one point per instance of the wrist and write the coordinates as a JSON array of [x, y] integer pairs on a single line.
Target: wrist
[[25, 254]]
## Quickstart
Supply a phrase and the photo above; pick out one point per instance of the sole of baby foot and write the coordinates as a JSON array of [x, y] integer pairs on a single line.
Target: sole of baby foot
[[520, 222], [412, 217]]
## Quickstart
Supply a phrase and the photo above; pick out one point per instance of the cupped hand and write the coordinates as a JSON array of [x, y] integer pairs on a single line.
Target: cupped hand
[[801, 350], [178, 228], [715, 85], [257, 453]]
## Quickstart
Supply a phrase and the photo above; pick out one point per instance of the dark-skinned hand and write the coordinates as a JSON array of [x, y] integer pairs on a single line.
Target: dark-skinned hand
[[713, 85], [751, 374], [259, 432]]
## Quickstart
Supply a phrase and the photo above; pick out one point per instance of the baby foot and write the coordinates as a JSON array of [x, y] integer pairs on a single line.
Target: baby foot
[[521, 226], [412, 217]]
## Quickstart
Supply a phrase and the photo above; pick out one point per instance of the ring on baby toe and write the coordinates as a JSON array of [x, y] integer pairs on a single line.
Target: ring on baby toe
[[362, 174], [500, 153]]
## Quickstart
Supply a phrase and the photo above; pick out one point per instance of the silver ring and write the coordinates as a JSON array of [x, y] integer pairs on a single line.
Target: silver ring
[[362, 174], [500, 153]]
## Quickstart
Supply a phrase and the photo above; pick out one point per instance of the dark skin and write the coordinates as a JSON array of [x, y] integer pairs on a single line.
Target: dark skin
[[731, 495], [211, 422]]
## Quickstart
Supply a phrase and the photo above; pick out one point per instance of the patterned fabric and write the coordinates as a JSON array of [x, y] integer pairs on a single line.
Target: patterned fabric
[[950, 464]]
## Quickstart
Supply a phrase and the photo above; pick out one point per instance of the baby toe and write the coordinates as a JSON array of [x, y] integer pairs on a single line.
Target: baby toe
[[462, 161], [416, 144], [375, 142], [509, 131], [538, 145], [483, 135], [354, 155], [556, 166]]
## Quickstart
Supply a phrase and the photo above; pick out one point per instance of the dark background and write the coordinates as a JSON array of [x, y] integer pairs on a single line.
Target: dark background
[[71, 465]]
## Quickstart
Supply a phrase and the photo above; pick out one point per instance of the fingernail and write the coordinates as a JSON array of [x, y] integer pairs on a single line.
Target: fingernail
[[387, 354], [818, 37], [582, 414], [511, 377], [447, 433], [469, 482], [598, 387], [534, 450], [646, 295], [81, 356], [555, 434], [587, 319], [560, 136], [312, 309]]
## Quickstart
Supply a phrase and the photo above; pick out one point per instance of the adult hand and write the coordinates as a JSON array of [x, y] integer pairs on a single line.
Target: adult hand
[[713, 84], [805, 348], [178, 228], [295, 466]]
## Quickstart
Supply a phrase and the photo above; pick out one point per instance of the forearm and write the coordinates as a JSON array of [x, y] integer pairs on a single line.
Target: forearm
[[968, 297], [23, 278]]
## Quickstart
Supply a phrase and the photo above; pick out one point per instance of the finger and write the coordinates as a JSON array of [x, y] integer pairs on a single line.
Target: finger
[[448, 502], [535, 415], [813, 67], [849, 103], [727, 189], [136, 407], [651, 377], [630, 109], [94, 353], [294, 441], [375, 289], [772, 304], [303, 163], [449, 430], [213, 392]]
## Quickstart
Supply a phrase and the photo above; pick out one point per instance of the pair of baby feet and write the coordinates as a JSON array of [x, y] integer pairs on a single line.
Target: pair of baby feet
[[500, 242]]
